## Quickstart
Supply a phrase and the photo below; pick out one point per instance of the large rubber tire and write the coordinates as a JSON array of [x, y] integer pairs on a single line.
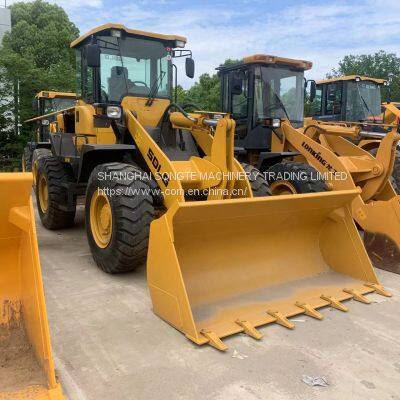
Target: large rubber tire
[[27, 160], [36, 156], [395, 179], [56, 176], [125, 247], [310, 183], [259, 185], [396, 173]]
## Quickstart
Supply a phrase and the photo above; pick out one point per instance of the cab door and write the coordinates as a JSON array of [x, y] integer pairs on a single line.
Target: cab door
[[332, 102]]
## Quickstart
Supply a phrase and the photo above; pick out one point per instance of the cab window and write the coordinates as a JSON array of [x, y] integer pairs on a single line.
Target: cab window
[[316, 105], [334, 99], [239, 101]]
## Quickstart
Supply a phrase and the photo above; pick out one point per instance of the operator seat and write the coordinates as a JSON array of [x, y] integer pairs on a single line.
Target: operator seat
[[118, 83]]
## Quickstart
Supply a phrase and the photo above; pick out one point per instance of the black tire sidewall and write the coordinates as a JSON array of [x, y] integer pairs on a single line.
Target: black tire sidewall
[[55, 217], [110, 259], [309, 185]]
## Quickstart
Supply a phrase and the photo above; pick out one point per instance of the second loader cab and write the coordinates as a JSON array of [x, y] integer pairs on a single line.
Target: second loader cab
[[258, 92], [349, 98], [48, 102]]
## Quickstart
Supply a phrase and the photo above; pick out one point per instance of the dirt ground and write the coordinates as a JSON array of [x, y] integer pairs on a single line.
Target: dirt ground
[[109, 345], [18, 365]]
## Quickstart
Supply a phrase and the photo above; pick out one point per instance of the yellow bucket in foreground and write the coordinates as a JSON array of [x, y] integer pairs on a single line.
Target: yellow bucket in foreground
[[217, 268], [26, 363]]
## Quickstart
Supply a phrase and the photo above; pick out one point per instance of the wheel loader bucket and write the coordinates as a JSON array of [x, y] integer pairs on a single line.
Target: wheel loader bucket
[[26, 363], [217, 268]]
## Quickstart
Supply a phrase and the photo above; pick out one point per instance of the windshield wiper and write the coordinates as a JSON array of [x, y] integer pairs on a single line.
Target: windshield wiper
[[365, 104], [154, 88], [279, 101], [282, 106]]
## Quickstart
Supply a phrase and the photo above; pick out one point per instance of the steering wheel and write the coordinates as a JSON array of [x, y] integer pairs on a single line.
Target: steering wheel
[[142, 83]]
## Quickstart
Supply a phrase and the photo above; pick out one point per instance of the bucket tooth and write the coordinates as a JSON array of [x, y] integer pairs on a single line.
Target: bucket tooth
[[335, 303], [378, 289], [214, 340], [357, 296], [308, 310], [249, 329], [281, 319]]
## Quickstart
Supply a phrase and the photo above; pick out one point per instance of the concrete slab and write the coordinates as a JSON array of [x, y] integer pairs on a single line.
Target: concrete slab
[[109, 345]]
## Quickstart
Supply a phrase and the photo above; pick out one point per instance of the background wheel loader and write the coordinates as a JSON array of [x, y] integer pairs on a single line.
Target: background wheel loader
[[265, 95], [356, 101], [163, 185], [26, 363], [46, 104]]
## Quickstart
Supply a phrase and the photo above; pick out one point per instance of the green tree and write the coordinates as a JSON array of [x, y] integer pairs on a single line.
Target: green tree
[[379, 65], [206, 92], [34, 56]]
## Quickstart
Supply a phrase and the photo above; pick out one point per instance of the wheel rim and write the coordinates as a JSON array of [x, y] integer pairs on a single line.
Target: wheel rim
[[280, 188], [100, 219], [34, 170], [43, 194]]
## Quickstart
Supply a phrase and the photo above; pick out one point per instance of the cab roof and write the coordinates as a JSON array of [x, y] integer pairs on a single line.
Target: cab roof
[[51, 95], [121, 27], [269, 59], [352, 78]]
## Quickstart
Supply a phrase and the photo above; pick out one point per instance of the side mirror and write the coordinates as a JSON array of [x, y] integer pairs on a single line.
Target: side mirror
[[189, 66], [313, 90], [92, 55]]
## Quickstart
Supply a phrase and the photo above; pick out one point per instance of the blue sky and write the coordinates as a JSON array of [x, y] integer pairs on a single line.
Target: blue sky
[[319, 31]]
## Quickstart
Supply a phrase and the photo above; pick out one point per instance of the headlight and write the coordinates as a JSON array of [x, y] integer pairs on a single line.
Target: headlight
[[276, 123], [179, 43], [272, 122], [114, 112]]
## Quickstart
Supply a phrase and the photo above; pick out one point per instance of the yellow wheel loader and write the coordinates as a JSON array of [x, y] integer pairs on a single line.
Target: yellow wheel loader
[[26, 362], [162, 186], [265, 95], [46, 105], [356, 101]]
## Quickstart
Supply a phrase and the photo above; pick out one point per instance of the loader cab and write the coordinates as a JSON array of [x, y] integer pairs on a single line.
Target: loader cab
[[348, 98], [48, 102], [259, 92], [114, 62]]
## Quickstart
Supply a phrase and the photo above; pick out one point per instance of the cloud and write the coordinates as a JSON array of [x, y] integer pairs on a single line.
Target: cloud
[[320, 31]]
